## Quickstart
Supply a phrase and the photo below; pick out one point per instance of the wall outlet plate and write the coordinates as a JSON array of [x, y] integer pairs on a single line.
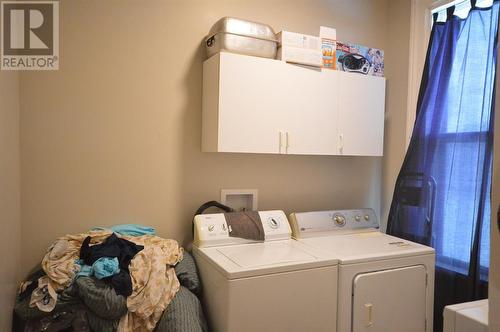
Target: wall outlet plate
[[240, 199]]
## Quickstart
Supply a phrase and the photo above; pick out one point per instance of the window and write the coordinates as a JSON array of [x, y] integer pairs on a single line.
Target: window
[[463, 126], [462, 8], [420, 28]]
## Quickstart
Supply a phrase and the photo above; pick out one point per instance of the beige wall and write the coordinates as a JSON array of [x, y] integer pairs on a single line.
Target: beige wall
[[494, 285], [397, 58], [9, 193], [114, 135]]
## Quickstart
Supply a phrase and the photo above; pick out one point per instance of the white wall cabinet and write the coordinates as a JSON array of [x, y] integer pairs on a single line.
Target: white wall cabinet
[[361, 119], [257, 105]]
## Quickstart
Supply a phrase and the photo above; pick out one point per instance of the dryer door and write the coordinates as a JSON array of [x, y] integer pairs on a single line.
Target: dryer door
[[390, 300]]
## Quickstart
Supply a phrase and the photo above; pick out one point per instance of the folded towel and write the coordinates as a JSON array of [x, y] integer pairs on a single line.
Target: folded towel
[[130, 229]]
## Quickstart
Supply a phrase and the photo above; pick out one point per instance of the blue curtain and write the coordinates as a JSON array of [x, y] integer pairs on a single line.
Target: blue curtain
[[442, 194]]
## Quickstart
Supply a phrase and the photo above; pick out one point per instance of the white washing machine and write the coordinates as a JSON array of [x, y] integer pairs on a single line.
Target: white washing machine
[[276, 285], [386, 284], [466, 317]]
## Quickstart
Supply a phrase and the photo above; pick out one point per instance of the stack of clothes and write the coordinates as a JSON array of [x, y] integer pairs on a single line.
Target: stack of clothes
[[123, 279]]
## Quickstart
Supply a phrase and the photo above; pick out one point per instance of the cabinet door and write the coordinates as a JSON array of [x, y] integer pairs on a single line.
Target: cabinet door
[[361, 114], [390, 300], [311, 111], [250, 110]]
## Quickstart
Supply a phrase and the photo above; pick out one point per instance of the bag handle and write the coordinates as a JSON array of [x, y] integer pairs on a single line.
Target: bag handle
[[210, 204]]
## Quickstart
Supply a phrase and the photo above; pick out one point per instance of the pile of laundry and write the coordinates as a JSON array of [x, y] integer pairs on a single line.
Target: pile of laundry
[[118, 279]]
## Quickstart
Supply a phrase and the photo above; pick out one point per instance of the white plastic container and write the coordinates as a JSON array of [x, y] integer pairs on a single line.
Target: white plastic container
[[299, 48]]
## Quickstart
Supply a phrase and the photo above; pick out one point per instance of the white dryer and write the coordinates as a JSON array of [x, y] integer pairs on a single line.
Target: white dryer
[[276, 285], [386, 284]]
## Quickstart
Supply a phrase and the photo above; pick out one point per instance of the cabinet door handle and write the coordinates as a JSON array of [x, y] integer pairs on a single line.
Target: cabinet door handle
[[369, 308], [341, 143], [280, 141], [287, 145]]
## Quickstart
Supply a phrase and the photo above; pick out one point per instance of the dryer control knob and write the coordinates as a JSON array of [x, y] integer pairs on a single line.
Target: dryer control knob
[[339, 220], [273, 223], [367, 217]]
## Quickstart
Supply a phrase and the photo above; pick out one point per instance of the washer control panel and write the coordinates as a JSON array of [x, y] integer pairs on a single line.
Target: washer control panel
[[213, 229], [314, 223]]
